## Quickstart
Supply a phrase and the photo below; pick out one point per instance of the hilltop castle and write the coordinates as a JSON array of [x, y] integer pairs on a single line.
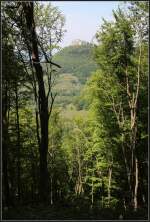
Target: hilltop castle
[[78, 42]]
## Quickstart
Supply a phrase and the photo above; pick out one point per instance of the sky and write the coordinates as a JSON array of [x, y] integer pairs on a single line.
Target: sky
[[83, 18]]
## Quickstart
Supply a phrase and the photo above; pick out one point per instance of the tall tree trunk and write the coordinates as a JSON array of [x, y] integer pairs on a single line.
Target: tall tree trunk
[[136, 185], [133, 105], [5, 144], [79, 187], [109, 184], [5, 156], [134, 160], [80, 177], [36, 109], [18, 142], [43, 101]]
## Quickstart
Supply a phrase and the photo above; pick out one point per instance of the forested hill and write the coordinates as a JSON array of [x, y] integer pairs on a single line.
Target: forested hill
[[77, 59], [77, 65]]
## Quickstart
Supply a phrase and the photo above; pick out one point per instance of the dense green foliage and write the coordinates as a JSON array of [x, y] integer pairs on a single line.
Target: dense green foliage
[[97, 156]]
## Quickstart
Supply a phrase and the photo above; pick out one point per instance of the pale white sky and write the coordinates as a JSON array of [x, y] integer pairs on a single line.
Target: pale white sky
[[83, 18]]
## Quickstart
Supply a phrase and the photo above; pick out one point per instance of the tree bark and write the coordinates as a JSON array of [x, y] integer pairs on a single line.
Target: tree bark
[[132, 101], [43, 101], [134, 128], [79, 187], [5, 148], [18, 142], [109, 184], [136, 185]]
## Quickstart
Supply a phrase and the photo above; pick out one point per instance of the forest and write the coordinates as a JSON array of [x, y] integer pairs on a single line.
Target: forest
[[74, 119]]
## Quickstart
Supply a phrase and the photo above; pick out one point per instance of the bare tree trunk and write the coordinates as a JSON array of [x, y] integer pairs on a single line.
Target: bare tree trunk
[[36, 109], [109, 184], [136, 185], [78, 186], [132, 100], [79, 175], [5, 141], [43, 100], [18, 142]]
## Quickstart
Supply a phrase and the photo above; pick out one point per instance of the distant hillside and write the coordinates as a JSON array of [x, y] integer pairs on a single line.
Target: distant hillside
[[77, 60], [67, 88], [77, 65]]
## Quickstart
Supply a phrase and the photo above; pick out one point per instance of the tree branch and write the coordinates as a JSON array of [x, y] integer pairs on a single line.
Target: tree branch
[[52, 102]]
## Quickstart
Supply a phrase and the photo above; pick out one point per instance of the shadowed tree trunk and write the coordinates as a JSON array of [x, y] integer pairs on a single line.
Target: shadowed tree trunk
[[5, 147], [136, 184], [43, 100], [18, 142]]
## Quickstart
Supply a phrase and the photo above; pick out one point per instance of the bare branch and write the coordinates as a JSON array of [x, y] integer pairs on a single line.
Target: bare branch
[[46, 57], [138, 76], [52, 102]]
